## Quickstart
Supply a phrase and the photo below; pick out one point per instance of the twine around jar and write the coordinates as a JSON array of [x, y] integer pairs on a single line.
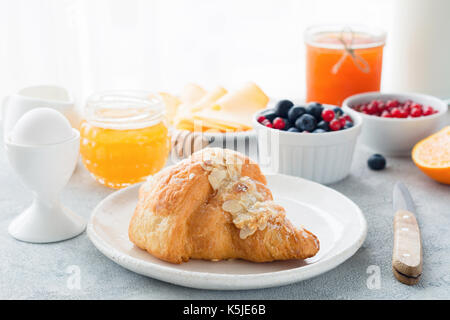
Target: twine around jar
[[359, 61]]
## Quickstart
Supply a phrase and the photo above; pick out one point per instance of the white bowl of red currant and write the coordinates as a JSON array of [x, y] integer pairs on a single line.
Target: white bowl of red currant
[[395, 122], [313, 141]]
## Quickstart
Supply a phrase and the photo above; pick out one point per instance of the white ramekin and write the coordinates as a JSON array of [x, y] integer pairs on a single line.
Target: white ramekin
[[322, 157], [393, 136]]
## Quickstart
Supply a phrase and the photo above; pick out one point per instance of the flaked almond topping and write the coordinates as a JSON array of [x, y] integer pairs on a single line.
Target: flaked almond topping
[[232, 206], [249, 210], [240, 187], [216, 177]]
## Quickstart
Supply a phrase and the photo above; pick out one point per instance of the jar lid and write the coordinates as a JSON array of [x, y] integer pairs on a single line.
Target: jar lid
[[344, 36], [124, 110]]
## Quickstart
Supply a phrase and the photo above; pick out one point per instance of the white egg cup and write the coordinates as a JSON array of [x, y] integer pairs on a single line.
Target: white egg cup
[[45, 170]]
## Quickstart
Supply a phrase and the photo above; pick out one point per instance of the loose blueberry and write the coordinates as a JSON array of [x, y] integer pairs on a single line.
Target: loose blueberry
[[323, 125], [282, 108], [293, 129], [376, 162], [319, 131], [315, 109], [269, 114], [338, 111], [295, 113], [306, 123]]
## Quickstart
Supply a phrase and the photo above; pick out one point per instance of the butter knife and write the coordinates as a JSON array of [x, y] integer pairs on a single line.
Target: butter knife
[[407, 252]]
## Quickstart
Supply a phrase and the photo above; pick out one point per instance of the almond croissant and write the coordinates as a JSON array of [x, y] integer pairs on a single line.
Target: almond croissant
[[215, 205]]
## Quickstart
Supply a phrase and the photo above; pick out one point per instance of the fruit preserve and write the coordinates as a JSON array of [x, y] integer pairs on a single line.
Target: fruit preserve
[[342, 61], [124, 137]]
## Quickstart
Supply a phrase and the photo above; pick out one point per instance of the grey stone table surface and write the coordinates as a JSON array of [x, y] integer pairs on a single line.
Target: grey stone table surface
[[46, 271]]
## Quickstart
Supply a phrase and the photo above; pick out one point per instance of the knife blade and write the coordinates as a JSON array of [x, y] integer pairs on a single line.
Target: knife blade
[[407, 251], [402, 198]]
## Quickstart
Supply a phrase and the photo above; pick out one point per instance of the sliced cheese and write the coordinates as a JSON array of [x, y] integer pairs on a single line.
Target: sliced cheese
[[223, 112], [192, 93], [239, 121], [209, 99], [249, 97], [186, 111], [236, 109], [200, 125]]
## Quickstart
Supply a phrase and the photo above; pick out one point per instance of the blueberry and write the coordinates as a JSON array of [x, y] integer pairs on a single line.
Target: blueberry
[[287, 124], [323, 125], [293, 129], [282, 108], [269, 114], [338, 112], [376, 162], [315, 109], [306, 123], [319, 131], [296, 112], [348, 125]]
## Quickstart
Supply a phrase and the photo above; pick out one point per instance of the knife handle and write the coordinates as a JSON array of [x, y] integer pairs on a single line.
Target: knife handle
[[407, 252]]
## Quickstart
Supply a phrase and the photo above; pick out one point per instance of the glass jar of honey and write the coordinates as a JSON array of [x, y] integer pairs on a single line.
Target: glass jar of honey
[[342, 61], [124, 137]]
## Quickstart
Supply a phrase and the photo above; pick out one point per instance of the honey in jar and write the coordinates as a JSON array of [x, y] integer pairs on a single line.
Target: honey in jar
[[124, 137], [342, 61]]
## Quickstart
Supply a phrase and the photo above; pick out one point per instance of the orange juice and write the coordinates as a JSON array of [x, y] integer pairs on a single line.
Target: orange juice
[[124, 139], [342, 61]]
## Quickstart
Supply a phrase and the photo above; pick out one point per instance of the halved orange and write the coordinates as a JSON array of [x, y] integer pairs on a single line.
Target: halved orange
[[432, 156]]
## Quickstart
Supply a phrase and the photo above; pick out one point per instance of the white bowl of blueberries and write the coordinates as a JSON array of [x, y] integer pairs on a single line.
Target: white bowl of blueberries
[[313, 141]]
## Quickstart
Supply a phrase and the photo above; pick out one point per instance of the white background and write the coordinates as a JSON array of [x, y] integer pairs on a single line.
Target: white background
[[91, 45]]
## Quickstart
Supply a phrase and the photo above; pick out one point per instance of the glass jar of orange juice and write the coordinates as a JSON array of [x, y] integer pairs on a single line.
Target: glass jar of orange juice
[[342, 61], [124, 137]]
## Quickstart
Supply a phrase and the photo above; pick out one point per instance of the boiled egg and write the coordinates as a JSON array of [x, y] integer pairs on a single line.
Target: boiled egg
[[41, 126]]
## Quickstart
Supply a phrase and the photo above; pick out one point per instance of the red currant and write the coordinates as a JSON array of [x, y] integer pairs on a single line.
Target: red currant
[[372, 107], [403, 113], [261, 119], [386, 114], [396, 113], [416, 112], [327, 115], [347, 117], [335, 125], [342, 121], [392, 104], [427, 111], [278, 123], [358, 107], [416, 105], [406, 109]]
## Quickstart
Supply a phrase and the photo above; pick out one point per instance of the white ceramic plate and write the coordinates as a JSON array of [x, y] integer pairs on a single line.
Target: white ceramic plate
[[335, 219]]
